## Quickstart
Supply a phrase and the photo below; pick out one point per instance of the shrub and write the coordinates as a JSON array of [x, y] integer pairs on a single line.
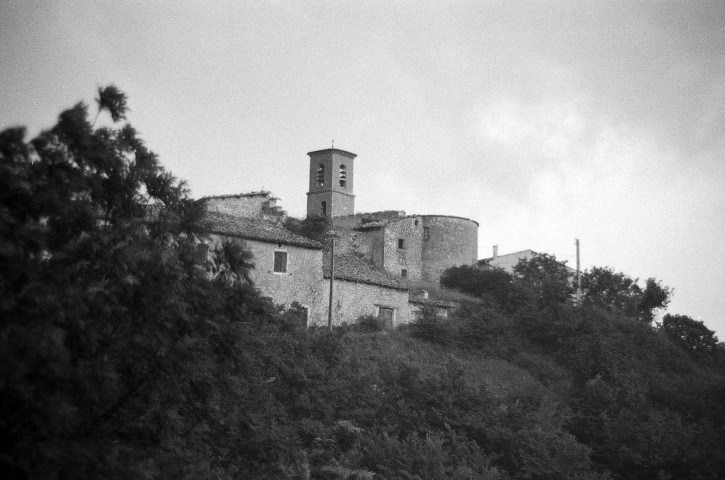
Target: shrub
[[432, 327], [369, 324]]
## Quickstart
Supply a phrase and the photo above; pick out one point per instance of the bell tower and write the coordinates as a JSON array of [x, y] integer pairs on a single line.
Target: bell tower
[[331, 183]]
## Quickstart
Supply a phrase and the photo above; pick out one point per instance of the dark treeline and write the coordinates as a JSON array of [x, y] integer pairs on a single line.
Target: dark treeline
[[124, 354]]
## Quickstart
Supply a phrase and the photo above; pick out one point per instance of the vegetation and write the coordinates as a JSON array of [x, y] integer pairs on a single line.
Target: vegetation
[[617, 292], [313, 227], [121, 356]]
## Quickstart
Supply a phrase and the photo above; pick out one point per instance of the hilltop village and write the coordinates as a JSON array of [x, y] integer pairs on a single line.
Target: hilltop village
[[382, 260]]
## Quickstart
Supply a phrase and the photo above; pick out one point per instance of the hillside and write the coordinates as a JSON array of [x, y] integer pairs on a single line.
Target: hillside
[[126, 354]]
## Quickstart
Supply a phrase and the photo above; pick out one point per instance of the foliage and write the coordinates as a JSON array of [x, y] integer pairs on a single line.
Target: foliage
[[232, 262], [655, 296], [293, 318], [113, 100], [370, 323], [615, 291], [548, 279], [115, 348], [493, 285], [432, 327], [634, 396], [313, 227], [121, 357], [691, 335], [604, 288]]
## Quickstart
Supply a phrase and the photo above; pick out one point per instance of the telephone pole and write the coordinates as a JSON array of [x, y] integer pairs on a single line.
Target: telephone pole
[[578, 274], [332, 282]]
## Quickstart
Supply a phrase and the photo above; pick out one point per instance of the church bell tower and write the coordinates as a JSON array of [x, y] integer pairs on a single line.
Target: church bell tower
[[331, 183]]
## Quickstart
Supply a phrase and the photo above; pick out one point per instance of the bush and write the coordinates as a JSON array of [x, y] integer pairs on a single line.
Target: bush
[[432, 327], [369, 324]]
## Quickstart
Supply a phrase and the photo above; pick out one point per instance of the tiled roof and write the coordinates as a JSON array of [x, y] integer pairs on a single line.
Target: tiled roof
[[261, 193], [446, 216], [354, 269], [256, 229]]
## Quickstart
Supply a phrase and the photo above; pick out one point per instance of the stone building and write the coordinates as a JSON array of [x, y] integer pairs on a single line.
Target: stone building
[[331, 183], [360, 289], [416, 247], [377, 255], [508, 261], [287, 267], [290, 268]]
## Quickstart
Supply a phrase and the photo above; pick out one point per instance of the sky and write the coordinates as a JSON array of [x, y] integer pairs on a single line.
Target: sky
[[543, 121]]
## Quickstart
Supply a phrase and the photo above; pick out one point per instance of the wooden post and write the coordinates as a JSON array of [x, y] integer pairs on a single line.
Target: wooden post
[[578, 275], [332, 282]]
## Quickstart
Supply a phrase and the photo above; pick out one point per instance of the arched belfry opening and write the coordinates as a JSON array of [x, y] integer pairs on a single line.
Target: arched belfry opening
[[343, 176], [321, 175], [331, 183]]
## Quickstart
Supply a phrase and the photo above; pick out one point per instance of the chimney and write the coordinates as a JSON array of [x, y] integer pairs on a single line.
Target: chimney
[[495, 251]]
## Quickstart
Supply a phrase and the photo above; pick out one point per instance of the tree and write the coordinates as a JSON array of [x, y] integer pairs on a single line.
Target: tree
[[689, 334], [113, 100], [615, 291], [604, 288], [494, 285], [549, 279], [655, 296], [116, 351], [494, 282]]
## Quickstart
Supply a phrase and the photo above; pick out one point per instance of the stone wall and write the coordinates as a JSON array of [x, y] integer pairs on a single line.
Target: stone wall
[[451, 241], [352, 300], [302, 281], [335, 190], [248, 205], [352, 221], [362, 244], [408, 258]]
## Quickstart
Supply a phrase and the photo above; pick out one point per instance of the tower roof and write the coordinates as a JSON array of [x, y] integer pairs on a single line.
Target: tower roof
[[333, 150]]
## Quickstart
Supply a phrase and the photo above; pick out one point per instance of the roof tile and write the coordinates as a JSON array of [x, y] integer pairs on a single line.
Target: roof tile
[[256, 229], [354, 269]]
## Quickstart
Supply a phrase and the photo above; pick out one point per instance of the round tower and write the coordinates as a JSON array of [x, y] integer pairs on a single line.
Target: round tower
[[331, 183], [447, 242]]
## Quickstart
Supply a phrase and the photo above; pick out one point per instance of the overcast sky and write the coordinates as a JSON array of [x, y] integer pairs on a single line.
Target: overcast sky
[[542, 121]]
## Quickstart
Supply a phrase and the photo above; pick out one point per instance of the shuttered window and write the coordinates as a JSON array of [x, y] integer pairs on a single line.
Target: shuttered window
[[280, 261]]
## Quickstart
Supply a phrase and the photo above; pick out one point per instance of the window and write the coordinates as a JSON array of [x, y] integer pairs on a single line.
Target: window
[[426, 233], [416, 223], [324, 209], [280, 261], [401, 244], [385, 315], [404, 273], [343, 175], [321, 175]]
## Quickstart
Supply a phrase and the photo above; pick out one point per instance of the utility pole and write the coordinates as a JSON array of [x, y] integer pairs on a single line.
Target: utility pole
[[578, 274], [332, 282]]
